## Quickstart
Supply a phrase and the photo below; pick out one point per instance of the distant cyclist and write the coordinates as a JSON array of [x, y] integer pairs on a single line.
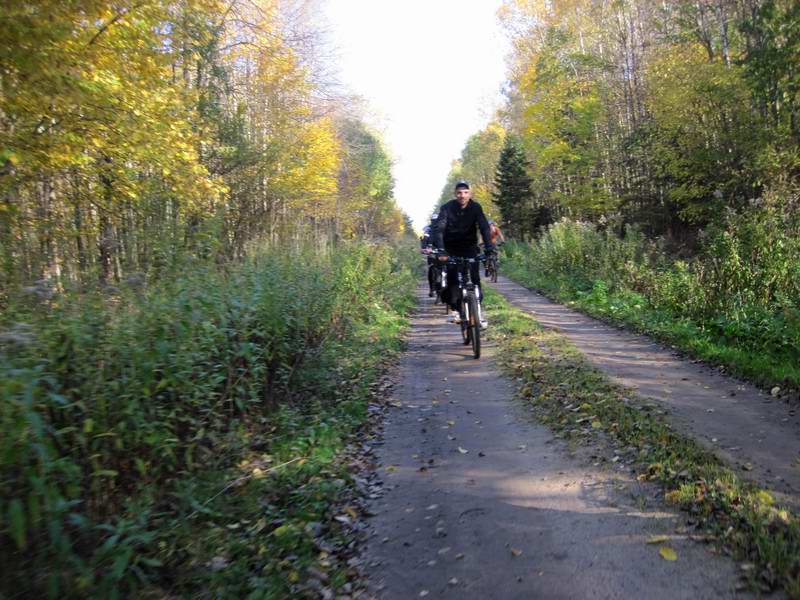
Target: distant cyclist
[[494, 228], [426, 247], [456, 231], [494, 233]]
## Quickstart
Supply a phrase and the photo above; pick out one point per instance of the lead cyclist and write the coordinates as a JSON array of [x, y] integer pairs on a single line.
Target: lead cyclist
[[456, 230]]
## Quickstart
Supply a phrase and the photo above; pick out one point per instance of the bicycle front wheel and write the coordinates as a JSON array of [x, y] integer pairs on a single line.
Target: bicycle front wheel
[[474, 325], [465, 330]]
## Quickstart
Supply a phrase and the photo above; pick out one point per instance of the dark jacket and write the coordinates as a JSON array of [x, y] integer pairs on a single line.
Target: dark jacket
[[456, 229]]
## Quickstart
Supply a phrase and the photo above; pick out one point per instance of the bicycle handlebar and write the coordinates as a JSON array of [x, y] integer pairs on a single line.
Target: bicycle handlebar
[[454, 260]]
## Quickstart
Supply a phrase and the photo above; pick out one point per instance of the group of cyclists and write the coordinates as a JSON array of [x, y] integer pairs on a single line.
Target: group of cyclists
[[453, 232]]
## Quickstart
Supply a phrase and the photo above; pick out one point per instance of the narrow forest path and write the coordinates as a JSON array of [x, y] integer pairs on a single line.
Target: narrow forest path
[[480, 502], [758, 434]]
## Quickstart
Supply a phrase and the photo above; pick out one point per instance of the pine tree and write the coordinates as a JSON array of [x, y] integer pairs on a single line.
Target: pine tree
[[514, 197]]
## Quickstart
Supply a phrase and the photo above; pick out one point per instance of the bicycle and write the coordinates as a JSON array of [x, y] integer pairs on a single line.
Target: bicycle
[[491, 268], [469, 308], [491, 264]]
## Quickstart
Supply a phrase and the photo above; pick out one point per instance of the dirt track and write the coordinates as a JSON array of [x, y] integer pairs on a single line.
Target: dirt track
[[745, 426], [482, 503]]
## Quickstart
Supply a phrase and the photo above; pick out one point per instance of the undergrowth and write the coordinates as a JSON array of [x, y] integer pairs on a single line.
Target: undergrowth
[[124, 413], [579, 402], [734, 304]]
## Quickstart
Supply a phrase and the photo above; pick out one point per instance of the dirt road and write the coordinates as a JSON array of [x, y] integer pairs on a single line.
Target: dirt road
[[743, 425], [482, 503]]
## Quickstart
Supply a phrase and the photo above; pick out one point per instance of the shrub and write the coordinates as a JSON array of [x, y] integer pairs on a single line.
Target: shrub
[[108, 399]]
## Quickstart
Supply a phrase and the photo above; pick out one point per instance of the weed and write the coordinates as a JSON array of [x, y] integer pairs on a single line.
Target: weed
[[123, 413], [718, 306]]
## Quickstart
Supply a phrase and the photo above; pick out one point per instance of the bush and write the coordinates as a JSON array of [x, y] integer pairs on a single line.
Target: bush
[[108, 399], [742, 289]]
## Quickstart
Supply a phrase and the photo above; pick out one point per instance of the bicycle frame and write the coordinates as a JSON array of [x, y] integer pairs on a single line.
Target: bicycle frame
[[464, 279]]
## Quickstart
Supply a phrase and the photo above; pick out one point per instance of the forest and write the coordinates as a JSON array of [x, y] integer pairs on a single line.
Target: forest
[[206, 281], [190, 211], [645, 161]]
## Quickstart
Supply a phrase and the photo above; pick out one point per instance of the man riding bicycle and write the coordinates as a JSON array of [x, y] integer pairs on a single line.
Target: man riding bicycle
[[456, 230]]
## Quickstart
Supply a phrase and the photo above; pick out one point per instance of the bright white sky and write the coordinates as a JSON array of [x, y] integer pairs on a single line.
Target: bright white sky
[[431, 70]]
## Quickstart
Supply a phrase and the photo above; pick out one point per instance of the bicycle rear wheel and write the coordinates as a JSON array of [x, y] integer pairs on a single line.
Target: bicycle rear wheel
[[494, 271], [474, 324]]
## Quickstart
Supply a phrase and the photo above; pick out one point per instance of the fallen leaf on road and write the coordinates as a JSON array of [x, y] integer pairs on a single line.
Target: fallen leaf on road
[[391, 469], [453, 581], [433, 507], [423, 593], [459, 556], [516, 552], [444, 550], [463, 450], [657, 539], [596, 424], [451, 423], [668, 553]]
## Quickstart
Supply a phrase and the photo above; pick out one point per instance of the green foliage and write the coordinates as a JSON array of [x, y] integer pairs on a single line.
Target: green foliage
[[693, 101], [664, 115], [110, 404], [737, 302], [771, 63], [513, 193]]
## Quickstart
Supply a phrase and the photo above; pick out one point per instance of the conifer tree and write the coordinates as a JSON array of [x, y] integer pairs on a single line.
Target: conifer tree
[[513, 194]]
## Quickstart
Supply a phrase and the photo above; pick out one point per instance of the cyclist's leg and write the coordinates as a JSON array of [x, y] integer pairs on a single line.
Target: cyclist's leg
[[453, 293], [475, 275]]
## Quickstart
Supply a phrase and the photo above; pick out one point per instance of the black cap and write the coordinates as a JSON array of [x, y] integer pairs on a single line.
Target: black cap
[[462, 185]]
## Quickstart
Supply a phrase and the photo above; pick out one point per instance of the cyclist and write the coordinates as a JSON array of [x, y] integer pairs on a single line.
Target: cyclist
[[456, 231], [495, 232], [426, 247]]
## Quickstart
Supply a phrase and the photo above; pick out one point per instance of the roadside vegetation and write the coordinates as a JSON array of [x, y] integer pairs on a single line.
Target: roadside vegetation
[[188, 331], [735, 303], [648, 153], [179, 438], [581, 405]]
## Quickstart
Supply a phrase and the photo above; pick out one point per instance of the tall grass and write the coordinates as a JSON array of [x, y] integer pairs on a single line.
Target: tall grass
[[108, 400], [736, 302]]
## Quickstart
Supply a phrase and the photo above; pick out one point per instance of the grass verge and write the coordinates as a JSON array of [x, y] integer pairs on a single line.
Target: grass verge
[[580, 404], [277, 522]]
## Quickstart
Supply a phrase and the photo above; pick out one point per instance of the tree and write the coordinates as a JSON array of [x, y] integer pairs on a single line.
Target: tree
[[513, 193]]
